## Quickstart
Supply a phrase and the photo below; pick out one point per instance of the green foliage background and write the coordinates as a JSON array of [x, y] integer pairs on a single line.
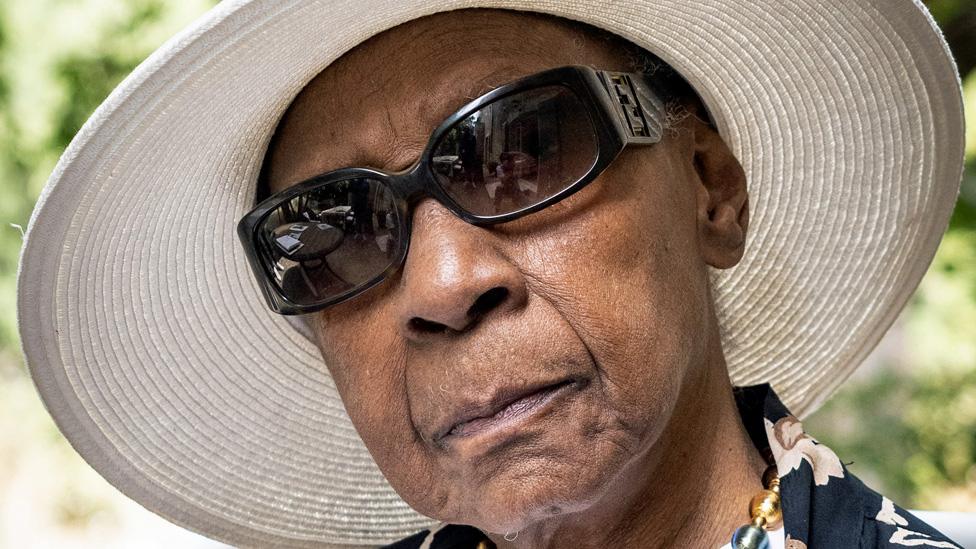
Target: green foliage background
[[908, 427]]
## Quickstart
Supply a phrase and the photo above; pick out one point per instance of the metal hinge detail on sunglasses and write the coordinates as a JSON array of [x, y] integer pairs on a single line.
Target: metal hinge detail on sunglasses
[[639, 108]]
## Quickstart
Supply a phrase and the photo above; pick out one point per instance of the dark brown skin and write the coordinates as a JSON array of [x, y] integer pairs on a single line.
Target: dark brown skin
[[607, 290]]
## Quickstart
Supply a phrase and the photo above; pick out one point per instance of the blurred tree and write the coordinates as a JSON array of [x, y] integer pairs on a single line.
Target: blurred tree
[[913, 440], [958, 21], [16, 201], [90, 75]]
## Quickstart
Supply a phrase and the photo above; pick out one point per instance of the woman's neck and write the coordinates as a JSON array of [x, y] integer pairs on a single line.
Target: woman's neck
[[691, 489]]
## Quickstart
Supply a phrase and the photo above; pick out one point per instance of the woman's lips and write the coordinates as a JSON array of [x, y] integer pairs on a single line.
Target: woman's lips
[[505, 408]]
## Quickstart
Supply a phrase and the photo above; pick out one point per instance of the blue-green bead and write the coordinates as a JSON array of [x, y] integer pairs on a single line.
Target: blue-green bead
[[750, 537]]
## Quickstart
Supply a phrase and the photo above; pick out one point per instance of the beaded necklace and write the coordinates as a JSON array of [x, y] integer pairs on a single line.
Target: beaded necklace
[[765, 513]]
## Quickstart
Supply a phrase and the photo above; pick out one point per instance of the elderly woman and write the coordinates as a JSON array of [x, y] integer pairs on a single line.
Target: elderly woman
[[506, 240]]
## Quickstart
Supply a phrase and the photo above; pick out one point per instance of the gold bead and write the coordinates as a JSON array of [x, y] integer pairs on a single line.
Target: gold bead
[[766, 505]]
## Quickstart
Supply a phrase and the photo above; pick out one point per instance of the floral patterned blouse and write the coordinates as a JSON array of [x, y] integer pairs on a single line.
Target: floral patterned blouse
[[824, 505]]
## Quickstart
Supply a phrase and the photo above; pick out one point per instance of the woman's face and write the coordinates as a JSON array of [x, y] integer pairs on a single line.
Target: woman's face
[[509, 374]]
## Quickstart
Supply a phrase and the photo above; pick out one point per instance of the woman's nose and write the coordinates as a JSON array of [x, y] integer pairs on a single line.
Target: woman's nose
[[453, 277]]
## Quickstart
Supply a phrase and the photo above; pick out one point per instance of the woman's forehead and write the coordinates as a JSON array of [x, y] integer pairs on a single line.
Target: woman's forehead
[[377, 105]]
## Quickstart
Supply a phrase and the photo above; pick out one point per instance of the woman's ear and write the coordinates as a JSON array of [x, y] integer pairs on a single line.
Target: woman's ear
[[723, 200]]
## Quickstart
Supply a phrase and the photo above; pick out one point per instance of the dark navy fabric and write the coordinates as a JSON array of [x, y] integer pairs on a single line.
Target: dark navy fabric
[[824, 506]]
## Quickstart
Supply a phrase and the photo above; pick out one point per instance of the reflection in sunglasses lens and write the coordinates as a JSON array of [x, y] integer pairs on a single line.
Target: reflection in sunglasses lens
[[332, 239], [516, 152]]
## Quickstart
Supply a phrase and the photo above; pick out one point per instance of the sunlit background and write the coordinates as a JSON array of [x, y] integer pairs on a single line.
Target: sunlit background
[[906, 422]]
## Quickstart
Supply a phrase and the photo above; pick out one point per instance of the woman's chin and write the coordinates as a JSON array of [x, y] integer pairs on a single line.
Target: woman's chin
[[508, 505]]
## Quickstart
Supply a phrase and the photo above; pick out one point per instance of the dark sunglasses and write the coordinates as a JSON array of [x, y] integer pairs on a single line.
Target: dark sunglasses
[[508, 153]]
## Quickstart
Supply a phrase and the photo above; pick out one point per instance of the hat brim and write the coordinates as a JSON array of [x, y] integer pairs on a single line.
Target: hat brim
[[153, 350]]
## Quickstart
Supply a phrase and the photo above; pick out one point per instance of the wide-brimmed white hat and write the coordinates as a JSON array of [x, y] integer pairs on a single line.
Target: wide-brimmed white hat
[[155, 353]]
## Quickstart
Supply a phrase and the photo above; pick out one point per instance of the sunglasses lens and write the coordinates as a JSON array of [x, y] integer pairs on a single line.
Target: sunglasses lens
[[332, 240], [517, 151]]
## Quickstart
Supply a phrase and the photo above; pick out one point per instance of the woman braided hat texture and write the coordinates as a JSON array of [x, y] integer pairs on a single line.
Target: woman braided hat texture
[[448, 273]]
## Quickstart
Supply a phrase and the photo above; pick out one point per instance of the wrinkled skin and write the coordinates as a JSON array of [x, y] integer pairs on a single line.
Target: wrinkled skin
[[607, 290]]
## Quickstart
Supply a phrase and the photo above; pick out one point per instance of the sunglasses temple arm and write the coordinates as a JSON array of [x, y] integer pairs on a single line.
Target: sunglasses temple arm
[[640, 109]]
